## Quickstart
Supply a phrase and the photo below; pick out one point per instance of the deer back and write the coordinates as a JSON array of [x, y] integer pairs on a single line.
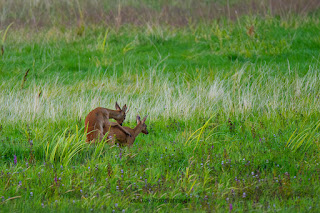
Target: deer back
[[114, 133]]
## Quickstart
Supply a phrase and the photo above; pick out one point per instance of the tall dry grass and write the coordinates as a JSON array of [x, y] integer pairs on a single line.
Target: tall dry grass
[[162, 94]]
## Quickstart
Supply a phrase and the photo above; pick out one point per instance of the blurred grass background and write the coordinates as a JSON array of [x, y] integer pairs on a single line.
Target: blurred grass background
[[48, 13]]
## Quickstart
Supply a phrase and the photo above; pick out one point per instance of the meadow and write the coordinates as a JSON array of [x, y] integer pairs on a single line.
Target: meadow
[[233, 111]]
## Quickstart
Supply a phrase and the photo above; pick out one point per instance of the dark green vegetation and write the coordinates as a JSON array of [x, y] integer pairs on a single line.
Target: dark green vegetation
[[250, 85]]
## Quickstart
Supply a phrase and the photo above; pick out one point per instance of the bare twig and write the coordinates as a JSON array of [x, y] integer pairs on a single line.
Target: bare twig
[[24, 78]]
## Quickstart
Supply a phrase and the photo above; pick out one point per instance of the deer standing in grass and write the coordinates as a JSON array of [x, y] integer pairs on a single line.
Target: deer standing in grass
[[115, 134], [98, 119]]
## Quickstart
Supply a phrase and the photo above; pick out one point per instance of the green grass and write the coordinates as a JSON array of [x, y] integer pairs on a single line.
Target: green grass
[[253, 97]]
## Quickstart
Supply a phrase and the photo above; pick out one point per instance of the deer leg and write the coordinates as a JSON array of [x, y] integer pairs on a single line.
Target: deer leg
[[120, 127], [99, 131]]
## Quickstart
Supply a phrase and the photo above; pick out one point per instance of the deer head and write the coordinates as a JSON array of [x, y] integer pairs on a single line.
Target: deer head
[[142, 125], [122, 113]]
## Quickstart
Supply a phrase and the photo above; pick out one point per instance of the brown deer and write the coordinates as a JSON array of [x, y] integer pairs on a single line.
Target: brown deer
[[98, 119], [115, 134]]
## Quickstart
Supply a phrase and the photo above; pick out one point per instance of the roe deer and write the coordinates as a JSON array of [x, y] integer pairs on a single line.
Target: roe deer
[[115, 134], [98, 119]]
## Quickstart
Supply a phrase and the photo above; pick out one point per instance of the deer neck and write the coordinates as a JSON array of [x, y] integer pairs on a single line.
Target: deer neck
[[137, 130], [114, 114]]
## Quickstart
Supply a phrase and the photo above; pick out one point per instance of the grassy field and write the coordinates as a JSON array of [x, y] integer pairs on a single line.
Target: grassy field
[[233, 105]]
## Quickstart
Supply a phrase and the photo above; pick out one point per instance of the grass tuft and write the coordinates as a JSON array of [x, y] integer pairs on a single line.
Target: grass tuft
[[65, 146], [304, 139]]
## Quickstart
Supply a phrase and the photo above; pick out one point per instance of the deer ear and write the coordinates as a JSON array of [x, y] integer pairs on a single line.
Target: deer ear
[[138, 119], [124, 108], [144, 119], [117, 106]]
